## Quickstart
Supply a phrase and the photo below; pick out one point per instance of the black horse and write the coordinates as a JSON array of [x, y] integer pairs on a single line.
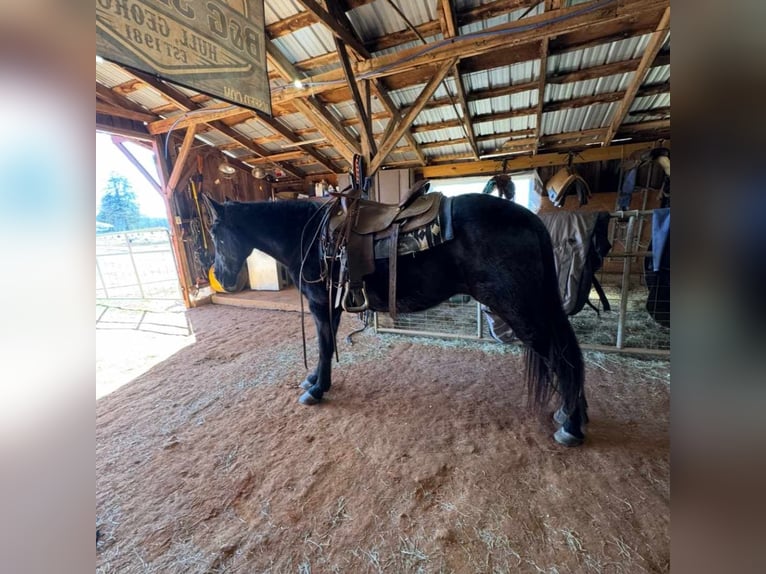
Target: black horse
[[501, 255]]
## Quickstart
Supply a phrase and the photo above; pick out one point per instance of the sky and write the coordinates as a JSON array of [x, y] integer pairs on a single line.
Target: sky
[[109, 158]]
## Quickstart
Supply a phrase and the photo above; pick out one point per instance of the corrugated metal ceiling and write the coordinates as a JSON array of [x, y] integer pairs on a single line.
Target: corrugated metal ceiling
[[378, 19]]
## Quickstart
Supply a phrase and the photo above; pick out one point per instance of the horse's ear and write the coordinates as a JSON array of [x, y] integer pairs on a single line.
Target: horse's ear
[[214, 208]]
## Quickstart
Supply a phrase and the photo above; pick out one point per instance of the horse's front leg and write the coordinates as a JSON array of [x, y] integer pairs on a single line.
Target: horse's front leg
[[319, 382]]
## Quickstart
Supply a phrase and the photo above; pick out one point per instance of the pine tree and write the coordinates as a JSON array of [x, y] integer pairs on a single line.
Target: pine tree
[[118, 205]]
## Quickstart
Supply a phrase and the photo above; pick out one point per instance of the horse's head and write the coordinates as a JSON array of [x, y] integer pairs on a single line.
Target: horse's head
[[230, 248], [503, 184]]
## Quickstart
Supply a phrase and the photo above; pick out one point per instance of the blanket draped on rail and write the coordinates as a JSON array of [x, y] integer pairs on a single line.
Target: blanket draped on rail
[[580, 243]]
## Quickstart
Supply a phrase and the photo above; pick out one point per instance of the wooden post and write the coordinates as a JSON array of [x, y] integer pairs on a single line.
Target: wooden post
[[182, 264]]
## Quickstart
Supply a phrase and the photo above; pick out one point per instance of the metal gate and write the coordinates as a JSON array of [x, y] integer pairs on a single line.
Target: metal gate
[[136, 265]]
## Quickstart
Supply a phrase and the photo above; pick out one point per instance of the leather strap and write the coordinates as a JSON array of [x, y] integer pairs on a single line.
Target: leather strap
[[601, 294], [392, 257]]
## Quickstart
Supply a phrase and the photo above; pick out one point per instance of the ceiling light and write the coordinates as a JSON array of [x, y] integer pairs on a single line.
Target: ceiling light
[[258, 173], [226, 169], [99, 59], [298, 84]]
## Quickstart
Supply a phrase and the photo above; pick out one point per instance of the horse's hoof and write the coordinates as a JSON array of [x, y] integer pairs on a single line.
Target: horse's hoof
[[561, 436], [306, 385], [308, 399], [560, 417]]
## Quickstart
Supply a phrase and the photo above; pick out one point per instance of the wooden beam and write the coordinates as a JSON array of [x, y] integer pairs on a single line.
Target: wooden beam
[[291, 24], [541, 88], [505, 39], [449, 30], [284, 156], [118, 100], [193, 118], [528, 162], [119, 142], [405, 122], [327, 126], [390, 107], [365, 126], [284, 132], [492, 10], [653, 89], [187, 104], [489, 117], [337, 27], [583, 101], [178, 166], [122, 126], [182, 101], [443, 143], [595, 72], [658, 111], [369, 146], [512, 134], [638, 127], [652, 48], [530, 29], [112, 110], [550, 6]]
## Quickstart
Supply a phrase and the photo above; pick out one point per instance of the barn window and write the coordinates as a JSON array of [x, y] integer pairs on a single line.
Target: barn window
[[527, 187]]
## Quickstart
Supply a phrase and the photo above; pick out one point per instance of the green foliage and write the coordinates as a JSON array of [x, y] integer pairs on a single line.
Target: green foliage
[[118, 205]]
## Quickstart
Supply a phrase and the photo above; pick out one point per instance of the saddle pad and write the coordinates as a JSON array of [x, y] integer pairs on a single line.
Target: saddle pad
[[435, 232]]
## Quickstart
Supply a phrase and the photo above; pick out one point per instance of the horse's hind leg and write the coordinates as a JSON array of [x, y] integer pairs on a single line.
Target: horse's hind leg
[[552, 350], [572, 415]]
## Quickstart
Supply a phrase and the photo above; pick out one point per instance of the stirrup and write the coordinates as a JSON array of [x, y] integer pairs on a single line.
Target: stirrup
[[350, 293]]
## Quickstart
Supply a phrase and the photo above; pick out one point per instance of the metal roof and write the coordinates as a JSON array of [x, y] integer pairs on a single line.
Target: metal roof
[[375, 21]]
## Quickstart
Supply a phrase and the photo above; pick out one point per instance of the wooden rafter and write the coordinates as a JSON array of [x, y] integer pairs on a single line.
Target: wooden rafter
[[532, 29], [390, 107], [291, 24], [309, 107], [285, 133], [550, 6], [112, 110], [119, 142], [330, 128], [336, 26], [118, 100], [449, 30], [604, 70], [183, 155], [652, 48], [284, 156], [527, 162], [185, 103], [541, 90], [362, 106], [198, 116], [404, 123], [506, 36]]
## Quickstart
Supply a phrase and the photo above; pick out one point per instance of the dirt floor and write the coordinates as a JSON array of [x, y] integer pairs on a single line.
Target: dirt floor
[[422, 458]]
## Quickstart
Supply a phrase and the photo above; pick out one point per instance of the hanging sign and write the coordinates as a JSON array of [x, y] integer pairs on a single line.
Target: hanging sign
[[213, 46]]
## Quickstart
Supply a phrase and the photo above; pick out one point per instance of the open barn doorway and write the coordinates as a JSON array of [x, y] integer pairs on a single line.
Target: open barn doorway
[[140, 314]]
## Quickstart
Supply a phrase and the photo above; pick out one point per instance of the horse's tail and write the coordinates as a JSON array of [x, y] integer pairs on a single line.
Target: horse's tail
[[553, 362]]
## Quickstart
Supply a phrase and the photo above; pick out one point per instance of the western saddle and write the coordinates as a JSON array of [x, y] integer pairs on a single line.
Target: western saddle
[[353, 227]]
